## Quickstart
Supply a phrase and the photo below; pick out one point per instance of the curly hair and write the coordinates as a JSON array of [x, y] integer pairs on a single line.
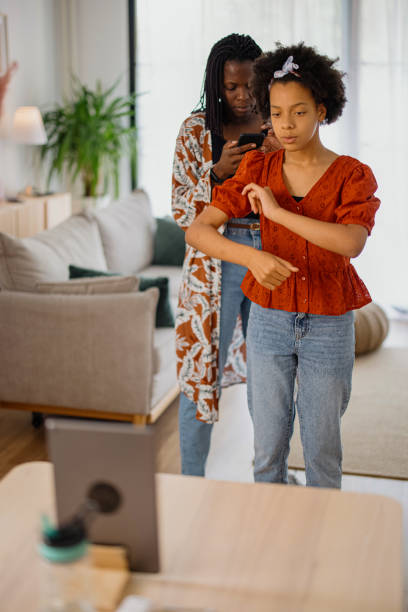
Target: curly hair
[[315, 72], [240, 47]]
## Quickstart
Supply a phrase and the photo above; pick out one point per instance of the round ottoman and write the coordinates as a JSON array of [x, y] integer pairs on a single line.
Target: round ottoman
[[371, 327]]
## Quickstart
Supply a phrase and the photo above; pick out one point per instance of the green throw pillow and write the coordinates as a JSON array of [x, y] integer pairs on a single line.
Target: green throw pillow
[[77, 272], [169, 243], [164, 313]]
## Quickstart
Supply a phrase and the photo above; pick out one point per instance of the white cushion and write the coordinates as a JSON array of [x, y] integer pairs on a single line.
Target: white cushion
[[45, 257], [173, 273], [127, 231], [164, 346], [164, 381]]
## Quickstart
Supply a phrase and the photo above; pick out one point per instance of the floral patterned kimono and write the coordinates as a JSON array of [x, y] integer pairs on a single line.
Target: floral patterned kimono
[[197, 319]]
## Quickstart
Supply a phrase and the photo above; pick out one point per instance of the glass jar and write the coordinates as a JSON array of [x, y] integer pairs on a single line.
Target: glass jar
[[65, 572]]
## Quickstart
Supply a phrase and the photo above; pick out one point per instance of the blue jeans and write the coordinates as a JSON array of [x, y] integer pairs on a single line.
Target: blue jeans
[[319, 350], [195, 436]]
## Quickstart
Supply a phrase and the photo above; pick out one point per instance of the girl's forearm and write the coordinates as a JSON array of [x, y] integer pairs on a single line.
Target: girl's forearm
[[347, 240], [208, 240]]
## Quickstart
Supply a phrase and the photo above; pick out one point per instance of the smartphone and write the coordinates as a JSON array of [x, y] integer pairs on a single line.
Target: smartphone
[[257, 139]]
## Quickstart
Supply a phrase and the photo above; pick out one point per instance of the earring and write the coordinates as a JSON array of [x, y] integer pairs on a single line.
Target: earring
[[219, 100]]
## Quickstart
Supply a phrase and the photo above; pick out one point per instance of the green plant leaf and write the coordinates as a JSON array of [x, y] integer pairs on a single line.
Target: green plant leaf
[[87, 136]]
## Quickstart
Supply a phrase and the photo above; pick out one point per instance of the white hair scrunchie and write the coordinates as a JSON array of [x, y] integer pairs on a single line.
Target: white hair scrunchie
[[288, 67]]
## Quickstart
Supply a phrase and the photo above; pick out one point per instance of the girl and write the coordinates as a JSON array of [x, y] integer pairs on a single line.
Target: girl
[[206, 154], [317, 209]]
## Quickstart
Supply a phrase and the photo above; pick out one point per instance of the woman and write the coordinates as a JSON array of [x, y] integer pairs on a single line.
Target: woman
[[213, 311]]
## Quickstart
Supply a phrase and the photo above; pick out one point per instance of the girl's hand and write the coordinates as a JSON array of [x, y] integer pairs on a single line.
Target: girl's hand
[[262, 200], [270, 270]]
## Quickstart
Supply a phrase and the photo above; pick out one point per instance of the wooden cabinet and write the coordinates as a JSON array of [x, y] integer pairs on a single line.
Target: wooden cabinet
[[34, 214], [8, 218], [57, 208], [30, 217]]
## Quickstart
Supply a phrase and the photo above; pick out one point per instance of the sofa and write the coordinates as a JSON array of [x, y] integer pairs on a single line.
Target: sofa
[[89, 346]]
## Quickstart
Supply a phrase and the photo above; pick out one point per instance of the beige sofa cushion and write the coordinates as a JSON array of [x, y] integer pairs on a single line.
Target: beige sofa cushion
[[94, 286], [127, 231], [78, 351], [24, 262]]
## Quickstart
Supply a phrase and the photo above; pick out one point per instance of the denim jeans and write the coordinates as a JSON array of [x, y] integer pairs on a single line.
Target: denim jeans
[[195, 436], [319, 351]]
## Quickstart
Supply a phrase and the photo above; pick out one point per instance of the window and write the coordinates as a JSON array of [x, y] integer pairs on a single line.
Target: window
[[369, 36]]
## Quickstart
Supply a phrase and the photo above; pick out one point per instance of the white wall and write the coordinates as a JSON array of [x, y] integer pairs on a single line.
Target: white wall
[[32, 35], [96, 48]]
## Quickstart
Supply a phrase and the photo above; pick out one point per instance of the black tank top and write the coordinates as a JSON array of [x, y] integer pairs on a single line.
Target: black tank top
[[218, 143]]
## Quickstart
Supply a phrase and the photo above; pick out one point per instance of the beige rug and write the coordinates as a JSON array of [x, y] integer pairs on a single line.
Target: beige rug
[[375, 425]]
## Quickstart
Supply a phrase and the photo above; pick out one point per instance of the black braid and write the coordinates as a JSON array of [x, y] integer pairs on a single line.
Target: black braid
[[240, 47]]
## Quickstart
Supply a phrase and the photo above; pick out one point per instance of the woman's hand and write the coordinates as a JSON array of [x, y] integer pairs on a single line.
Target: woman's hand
[[262, 200], [269, 270], [230, 158], [270, 143]]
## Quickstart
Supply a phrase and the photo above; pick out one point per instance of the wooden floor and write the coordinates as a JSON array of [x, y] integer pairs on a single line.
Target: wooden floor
[[19, 441]]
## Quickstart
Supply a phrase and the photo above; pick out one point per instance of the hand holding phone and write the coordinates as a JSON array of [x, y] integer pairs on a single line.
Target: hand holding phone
[[254, 138], [232, 154]]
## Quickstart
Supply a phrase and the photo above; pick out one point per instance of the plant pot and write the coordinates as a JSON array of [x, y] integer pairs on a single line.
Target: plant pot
[[90, 204]]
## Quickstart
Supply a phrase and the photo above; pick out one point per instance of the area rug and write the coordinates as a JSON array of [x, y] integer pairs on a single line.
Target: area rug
[[375, 425]]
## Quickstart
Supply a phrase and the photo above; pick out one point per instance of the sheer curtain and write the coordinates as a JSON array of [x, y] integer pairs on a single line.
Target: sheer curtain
[[370, 38], [378, 135]]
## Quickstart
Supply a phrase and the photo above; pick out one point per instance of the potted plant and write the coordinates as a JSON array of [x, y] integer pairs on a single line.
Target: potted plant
[[87, 137]]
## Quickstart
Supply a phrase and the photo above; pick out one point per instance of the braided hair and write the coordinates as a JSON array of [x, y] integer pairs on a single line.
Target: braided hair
[[240, 47]]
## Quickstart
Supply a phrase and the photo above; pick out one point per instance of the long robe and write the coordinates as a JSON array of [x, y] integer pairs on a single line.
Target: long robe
[[198, 313]]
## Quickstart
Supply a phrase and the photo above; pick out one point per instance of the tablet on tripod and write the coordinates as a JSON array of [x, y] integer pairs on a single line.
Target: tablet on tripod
[[91, 456]]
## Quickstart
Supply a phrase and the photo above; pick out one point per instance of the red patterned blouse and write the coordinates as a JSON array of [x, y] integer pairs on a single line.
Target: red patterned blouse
[[326, 283]]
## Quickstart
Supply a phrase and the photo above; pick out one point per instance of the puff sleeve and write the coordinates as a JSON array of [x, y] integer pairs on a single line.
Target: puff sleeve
[[227, 197], [358, 204]]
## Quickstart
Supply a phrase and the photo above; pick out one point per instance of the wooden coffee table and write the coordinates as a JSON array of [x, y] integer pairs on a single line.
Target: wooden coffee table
[[233, 546]]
